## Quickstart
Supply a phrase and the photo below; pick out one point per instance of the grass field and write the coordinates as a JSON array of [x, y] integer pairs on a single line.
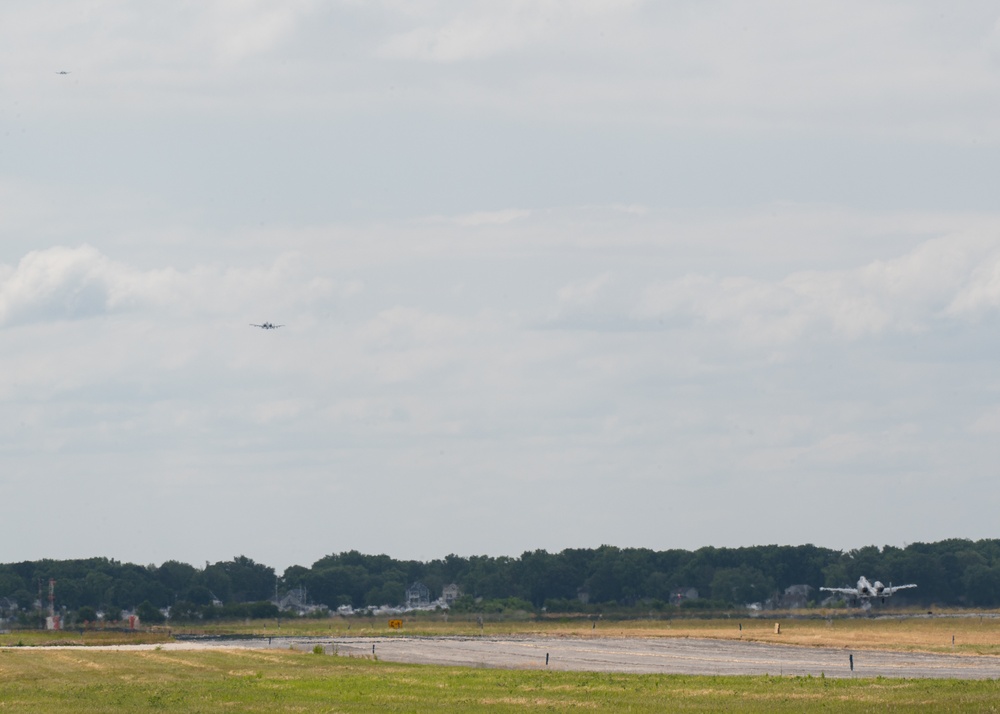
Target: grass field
[[34, 638], [972, 634], [281, 680]]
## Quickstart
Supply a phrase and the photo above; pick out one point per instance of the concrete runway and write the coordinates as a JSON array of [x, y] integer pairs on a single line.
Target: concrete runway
[[613, 654], [663, 656]]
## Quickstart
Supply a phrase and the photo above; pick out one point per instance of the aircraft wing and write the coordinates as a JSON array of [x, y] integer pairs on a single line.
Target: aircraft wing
[[892, 590], [843, 591]]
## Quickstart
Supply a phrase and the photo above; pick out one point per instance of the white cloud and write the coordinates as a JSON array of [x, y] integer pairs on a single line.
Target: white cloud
[[241, 29], [678, 249], [941, 278], [385, 377], [636, 209], [481, 218], [875, 69], [476, 30], [63, 283], [871, 69], [981, 293], [583, 293]]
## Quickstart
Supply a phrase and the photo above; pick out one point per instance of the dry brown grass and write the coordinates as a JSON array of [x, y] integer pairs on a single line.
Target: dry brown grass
[[973, 633]]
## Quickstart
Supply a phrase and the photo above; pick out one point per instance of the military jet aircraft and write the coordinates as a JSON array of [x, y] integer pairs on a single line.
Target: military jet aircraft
[[62, 71], [865, 590], [267, 326]]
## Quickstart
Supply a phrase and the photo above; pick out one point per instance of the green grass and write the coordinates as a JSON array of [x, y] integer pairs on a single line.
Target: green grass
[[281, 680]]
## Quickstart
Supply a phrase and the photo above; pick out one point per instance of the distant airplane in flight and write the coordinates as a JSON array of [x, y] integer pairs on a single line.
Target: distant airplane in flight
[[267, 326], [865, 590], [62, 71]]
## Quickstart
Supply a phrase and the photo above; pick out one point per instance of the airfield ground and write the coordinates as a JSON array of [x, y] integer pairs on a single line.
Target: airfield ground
[[953, 633], [638, 666], [611, 654], [185, 677], [670, 656]]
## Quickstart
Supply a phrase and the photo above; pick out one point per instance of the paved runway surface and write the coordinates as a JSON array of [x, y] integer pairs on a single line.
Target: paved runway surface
[[673, 656], [615, 654]]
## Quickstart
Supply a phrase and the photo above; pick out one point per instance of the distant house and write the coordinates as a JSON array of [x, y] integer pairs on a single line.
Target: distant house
[[295, 600], [418, 595], [450, 593]]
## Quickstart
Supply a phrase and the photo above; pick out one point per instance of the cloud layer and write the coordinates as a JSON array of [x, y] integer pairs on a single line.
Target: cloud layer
[[953, 278], [553, 274], [64, 283], [888, 70], [549, 373]]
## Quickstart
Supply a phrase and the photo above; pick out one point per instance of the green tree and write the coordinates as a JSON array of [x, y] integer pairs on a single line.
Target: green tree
[[184, 611], [149, 614], [741, 585], [251, 581], [176, 577], [982, 585], [198, 594]]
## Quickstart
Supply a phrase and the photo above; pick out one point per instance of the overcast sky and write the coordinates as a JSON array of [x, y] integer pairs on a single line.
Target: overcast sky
[[552, 274]]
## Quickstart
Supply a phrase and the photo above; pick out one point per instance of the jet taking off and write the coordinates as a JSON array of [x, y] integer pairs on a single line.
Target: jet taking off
[[865, 590], [267, 326]]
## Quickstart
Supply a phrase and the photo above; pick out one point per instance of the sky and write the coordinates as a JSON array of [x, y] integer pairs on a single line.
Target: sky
[[552, 274]]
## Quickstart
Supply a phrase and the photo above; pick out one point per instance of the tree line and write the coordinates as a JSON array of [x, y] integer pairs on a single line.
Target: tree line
[[950, 572]]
